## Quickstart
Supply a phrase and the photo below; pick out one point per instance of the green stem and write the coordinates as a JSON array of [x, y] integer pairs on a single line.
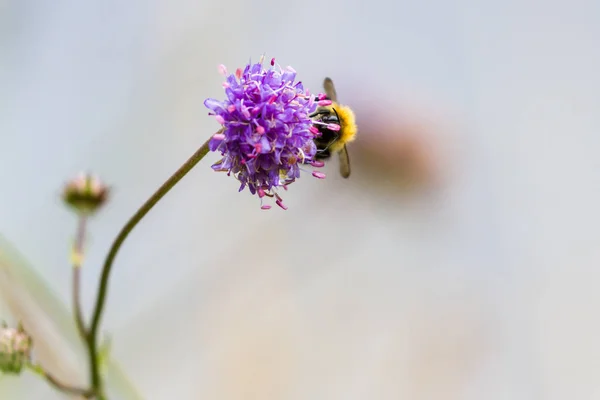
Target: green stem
[[58, 385], [77, 261], [92, 338]]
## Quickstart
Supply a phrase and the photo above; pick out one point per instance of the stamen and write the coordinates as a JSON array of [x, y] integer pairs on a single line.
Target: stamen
[[220, 119], [317, 164], [265, 207], [260, 129], [302, 155], [223, 70], [324, 103], [219, 136], [280, 204], [318, 174], [333, 127], [238, 73], [273, 61], [314, 130], [231, 108]]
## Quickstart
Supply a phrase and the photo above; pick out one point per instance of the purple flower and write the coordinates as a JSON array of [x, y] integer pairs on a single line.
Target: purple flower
[[266, 133]]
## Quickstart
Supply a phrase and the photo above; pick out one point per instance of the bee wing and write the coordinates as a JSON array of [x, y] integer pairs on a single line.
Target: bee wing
[[330, 89], [344, 162]]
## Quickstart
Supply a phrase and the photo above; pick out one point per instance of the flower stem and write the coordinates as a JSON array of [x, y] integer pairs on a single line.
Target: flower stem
[[92, 337], [58, 385], [77, 257]]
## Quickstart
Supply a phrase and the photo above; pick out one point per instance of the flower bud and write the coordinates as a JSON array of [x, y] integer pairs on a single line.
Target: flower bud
[[15, 349], [85, 194]]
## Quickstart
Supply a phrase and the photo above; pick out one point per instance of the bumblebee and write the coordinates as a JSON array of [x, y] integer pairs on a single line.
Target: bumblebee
[[333, 141]]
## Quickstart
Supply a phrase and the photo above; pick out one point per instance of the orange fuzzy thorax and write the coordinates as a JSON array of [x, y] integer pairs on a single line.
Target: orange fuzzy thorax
[[348, 128]]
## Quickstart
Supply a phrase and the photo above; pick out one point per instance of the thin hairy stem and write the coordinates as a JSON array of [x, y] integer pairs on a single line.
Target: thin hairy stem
[[92, 337], [58, 385], [77, 257]]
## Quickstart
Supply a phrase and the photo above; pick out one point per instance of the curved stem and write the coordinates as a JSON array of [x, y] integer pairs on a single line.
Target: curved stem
[[58, 385], [77, 262], [92, 341]]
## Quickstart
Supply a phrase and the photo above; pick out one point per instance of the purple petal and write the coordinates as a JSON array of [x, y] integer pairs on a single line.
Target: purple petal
[[214, 105], [265, 145], [289, 76], [215, 142]]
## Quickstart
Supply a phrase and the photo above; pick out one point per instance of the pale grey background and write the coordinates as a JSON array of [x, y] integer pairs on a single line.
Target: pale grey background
[[487, 289]]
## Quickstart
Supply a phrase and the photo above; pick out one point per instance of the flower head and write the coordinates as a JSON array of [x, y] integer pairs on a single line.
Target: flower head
[[15, 349], [266, 130], [85, 194]]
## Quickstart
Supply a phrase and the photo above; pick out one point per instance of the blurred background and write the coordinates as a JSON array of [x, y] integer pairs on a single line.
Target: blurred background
[[459, 261]]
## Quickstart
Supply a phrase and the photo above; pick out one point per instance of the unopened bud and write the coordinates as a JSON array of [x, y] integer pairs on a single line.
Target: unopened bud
[[15, 349], [85, 194]]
